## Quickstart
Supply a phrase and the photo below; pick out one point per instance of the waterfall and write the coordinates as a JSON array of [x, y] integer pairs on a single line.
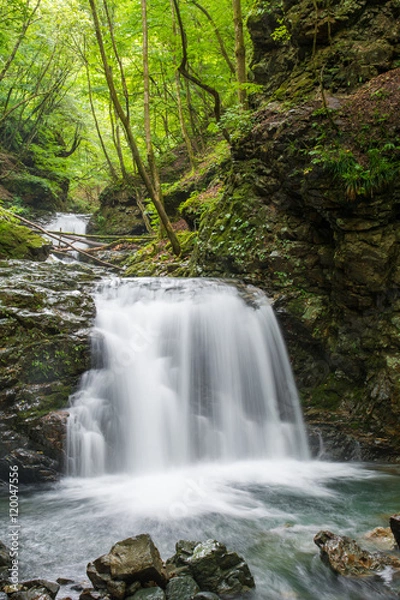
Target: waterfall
[[69, 223], [184, 371]]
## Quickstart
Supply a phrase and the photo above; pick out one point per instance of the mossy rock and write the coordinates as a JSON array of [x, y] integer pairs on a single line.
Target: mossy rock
[[37, 192], [19, 242]]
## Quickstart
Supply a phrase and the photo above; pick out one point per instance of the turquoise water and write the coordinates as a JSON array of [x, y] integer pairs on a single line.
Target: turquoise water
[[268, 511]]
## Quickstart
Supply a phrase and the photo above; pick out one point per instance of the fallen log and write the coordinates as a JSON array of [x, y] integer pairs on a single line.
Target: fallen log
[[57, 237]]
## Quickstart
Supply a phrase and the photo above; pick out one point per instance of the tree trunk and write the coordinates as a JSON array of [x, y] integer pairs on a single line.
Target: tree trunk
[[129, 134], [240, 52]]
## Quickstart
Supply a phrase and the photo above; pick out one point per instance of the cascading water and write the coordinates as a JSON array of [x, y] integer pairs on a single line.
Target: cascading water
[[69, 223], [185, 371]]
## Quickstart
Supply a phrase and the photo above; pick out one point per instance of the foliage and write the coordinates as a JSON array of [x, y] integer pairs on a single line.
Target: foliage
[[359, 179]]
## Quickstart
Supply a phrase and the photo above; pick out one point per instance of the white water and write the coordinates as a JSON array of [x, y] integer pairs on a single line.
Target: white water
[[69, 223], [187, 372], [162, 344]]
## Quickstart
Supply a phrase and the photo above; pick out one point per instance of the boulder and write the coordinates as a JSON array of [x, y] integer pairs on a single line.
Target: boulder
[[394, 522], [213, 567], [135, 559], [345, 557], [206, 596], [5, 561], [91, 594], [152, 593], [51, 587], [182, 588], [36, 589], [381, 537]]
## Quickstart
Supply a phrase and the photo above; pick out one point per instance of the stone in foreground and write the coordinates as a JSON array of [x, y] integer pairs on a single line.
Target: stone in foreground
[[182, 588], [131, 560], [345, 557], [394, 523], [213, 567]]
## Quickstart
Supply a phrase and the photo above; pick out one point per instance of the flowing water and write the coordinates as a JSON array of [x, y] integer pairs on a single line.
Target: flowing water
[[187, 372], [69, 223], [188, 427]]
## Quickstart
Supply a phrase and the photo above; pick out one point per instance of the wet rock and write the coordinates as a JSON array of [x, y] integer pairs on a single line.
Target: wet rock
[[394, 522], [345, 557], [17, 241], [50, 587], [5, 561], [182, 588], [37, 589], [46, 311], [213, 567], [91, 594], [206, 596], [153, 593], [381, 537], [133, 559]]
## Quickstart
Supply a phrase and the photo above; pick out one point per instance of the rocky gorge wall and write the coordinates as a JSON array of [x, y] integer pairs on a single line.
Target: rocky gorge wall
[[46, 312], [310, 210]]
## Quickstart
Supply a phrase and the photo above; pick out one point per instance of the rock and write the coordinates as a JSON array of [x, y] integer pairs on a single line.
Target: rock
[[37, 589], [46, 311], [153, 593], [17, 241], [182, 588], [91, 594], [382, 537], [117, 589], [206, 596], [51, 588], [345, 557], [394, 522], [132, 589], [130, 560], [213, 568], [5, 561]]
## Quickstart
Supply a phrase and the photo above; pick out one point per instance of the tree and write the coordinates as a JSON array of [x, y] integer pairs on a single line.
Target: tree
[[240, 52], [123, 115]]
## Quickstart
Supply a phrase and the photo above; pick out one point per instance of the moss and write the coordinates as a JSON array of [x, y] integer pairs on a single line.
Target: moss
[[19, 242]]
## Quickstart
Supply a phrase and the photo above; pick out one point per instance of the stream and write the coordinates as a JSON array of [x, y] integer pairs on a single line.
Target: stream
[[268, 511], [188, 427]]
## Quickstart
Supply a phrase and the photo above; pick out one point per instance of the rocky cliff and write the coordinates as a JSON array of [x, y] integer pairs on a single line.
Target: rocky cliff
[[310, 211], [45, 318]]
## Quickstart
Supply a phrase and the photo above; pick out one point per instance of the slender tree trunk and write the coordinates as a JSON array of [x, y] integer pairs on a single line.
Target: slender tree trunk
[[146, 101], [117, 140], [240, 52], [129, 134], [111, 167], [182, 122], [224, 52], [17, 44], [184, 70]]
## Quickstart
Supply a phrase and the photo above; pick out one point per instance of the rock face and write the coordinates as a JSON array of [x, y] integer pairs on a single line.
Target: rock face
[[119, 212], [20, 242], [46, 312], [343, 43], [310, 212], [129, 561], [345, 557], [212, 567], [133, 569]]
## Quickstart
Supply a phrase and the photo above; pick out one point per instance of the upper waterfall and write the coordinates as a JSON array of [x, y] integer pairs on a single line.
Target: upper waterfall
[[183, 371]]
